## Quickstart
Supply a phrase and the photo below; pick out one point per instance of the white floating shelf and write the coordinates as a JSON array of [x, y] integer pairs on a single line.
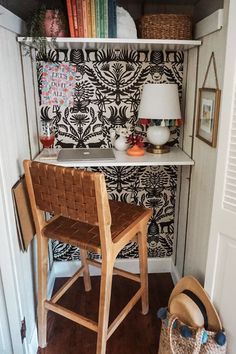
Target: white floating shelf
[[100, 43], [176, 157]]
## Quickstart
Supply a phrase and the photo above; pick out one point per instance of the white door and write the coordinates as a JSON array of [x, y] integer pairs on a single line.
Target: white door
[[220, 281], [17, 267], [11, 313], [5, 337]]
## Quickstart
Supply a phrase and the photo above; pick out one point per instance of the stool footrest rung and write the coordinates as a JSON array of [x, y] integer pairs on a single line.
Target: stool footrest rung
[[84, 321], [117, 271], [113, 326], [67, 285]]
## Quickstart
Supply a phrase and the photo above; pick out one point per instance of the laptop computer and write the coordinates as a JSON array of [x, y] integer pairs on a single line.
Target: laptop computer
[[89, 154]]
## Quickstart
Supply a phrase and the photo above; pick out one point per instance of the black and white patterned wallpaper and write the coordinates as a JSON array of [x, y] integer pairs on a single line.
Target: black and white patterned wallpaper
[[107, 95]]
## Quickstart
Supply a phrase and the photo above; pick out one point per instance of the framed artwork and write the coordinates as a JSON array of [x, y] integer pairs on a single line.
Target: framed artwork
[[208, 115], [58, 83]]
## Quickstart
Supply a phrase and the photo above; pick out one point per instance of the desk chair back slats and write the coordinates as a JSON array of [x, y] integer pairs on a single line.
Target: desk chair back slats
[[67, 192]]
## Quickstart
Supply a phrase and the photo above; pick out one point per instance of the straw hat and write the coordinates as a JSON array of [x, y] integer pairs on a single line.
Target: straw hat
[[192, 305]]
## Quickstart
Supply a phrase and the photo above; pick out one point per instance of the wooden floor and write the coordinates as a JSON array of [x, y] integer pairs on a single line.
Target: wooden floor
[[137, 334]]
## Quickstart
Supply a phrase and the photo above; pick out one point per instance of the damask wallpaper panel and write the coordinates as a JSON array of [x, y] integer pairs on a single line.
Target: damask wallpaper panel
[[106, 94]]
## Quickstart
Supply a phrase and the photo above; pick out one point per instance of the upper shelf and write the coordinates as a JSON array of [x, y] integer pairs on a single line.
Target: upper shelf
[[99, 43]]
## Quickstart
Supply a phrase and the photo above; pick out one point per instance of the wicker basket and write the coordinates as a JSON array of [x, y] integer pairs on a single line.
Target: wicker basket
[[166, 26]]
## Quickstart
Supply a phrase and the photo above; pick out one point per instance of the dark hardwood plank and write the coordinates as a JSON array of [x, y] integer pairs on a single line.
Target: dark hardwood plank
[[136, 334]]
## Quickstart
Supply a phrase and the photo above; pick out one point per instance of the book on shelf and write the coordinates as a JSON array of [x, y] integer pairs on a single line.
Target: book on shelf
[[85, 18], [105, 18], [112, 19], [101, 18], [93, 18], [97, 11], [89, 18], [80, 21], [75, 17], [70, 18]]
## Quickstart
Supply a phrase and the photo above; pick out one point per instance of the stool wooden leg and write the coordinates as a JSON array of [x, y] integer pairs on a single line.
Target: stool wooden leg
[[142, 241], [104, 306], [87, 280], [42, 246]]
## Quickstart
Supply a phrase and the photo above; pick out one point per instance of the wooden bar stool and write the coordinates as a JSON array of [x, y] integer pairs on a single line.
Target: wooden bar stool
[[85, 218]]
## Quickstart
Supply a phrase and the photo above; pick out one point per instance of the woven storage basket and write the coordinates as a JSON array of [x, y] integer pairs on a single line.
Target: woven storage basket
[[166, 26]]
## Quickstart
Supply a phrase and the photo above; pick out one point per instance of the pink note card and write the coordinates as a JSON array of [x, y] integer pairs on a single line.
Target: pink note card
[[58, 82]]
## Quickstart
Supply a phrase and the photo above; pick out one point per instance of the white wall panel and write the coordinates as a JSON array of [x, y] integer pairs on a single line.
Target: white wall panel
[[14, 147], [203, 172]]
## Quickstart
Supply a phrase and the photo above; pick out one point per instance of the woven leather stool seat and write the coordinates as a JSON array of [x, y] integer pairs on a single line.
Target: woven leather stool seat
[[85, 218], [86, 236]]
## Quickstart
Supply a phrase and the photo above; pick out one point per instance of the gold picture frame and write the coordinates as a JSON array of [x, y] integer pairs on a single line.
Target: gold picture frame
[[208, 115]]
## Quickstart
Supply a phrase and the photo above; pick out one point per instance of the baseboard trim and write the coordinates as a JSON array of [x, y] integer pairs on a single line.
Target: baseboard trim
[[155, 265], [68, 268], [174, 273], [33, 345], [51, 280]]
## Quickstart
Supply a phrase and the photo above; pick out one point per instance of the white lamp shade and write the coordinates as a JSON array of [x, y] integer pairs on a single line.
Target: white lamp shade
[[160, 101]]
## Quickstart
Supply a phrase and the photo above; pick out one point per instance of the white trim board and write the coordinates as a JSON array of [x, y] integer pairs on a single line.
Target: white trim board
[[33, 345], [174, 273], [209, 24], [68, 268], [101, 43], [11, 22]]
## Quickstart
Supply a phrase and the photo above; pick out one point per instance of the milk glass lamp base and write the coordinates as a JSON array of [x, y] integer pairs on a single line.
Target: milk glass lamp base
[[158, 137]]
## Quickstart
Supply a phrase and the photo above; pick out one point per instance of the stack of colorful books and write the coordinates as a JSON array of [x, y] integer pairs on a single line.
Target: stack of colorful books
[[92, 18]]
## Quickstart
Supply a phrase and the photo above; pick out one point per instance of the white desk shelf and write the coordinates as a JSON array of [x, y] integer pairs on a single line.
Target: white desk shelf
[[100, 43], [176, 157]]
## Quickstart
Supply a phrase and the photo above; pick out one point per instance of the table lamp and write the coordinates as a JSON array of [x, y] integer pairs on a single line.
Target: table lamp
[[159, 102]]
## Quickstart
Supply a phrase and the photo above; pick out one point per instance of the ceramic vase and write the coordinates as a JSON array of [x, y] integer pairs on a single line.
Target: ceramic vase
[[121, 143], [53, 24], [135, 151]]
